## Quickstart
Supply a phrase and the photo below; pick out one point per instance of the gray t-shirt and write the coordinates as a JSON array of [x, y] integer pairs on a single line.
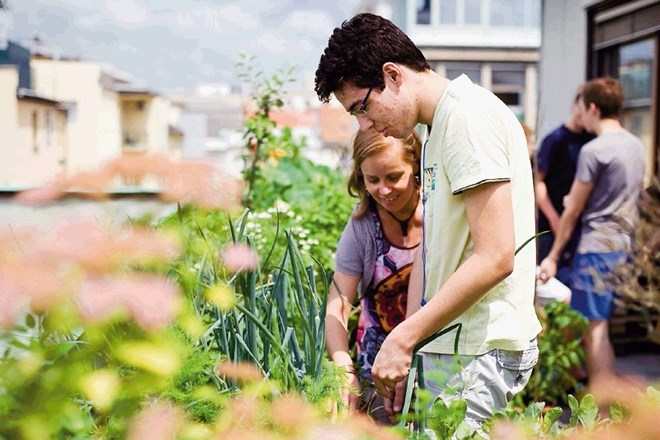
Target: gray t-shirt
[[356, 251], [614, 164]]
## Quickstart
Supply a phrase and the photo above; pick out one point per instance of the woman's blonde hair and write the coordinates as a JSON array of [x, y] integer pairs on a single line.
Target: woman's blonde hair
[[370, 142]]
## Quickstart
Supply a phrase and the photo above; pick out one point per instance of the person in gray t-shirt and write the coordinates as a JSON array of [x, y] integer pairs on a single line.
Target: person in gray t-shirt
[[604, 196]]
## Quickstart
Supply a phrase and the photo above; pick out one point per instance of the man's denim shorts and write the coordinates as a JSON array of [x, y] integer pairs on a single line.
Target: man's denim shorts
[[593, 283]]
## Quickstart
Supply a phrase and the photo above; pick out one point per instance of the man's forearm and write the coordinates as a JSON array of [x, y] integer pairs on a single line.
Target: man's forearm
[[471, 281]]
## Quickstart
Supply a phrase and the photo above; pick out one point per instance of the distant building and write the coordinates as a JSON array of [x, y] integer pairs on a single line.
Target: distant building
[[213, 121], [586, 39], [212, 117], [495, 42], [33, 133], [114, 116]]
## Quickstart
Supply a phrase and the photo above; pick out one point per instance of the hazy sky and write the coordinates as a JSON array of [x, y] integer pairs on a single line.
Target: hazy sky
[[175, 44]]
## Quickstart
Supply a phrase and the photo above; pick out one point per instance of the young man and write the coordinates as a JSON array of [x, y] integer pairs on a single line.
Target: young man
[[556, 162], [604, 195], [478, 208]]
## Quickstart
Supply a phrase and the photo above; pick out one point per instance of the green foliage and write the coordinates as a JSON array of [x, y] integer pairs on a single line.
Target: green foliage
[[326, 386], [444, 420], [560, 354], [277, 176], [197, 372], [261, 140], [276, 320], [56, 383]]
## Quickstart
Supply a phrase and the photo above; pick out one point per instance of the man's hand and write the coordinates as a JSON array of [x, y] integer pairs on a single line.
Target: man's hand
[[391, 365], [548, 269]]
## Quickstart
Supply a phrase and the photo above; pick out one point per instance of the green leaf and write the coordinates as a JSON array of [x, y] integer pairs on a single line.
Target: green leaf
[[574, 405], [30, 321], [444, 420], [617, 413], [551, 417], [588, 412]]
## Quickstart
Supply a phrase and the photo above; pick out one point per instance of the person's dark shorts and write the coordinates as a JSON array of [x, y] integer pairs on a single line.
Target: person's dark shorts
[[593, 283]]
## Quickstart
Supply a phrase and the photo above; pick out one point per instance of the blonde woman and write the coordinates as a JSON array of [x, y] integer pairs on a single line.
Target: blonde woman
[[374, 260]]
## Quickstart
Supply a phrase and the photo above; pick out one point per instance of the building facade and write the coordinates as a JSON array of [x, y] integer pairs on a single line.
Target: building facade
[[495, 42], [588, 39], [33, 133]]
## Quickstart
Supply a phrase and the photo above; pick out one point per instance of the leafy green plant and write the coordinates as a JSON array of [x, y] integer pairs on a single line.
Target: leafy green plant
[[560, 354], [278, 176]]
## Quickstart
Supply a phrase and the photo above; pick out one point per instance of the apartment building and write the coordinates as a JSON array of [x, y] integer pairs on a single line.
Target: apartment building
[[617, 38], [33, 133], [64, 115], [495, 42]]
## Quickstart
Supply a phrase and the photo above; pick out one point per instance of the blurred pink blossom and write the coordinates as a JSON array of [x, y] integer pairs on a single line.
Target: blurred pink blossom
[[151, 300], [157, 422], [239, 256], [10, 305], [200, 183], [42, 268]]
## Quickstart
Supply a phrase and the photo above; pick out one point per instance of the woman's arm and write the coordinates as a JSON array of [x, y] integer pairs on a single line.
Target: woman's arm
[[340, 303]]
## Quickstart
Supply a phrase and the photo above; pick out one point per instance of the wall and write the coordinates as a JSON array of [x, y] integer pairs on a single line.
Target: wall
[[112, 211], [76, 81], [563, 61], [37, 159], [8, 133]]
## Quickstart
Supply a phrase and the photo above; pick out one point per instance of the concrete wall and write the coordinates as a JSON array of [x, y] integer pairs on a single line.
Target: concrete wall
[[111, 211], [8, 132], [563, 61], [37, 157], [108, 126], [78, 81]]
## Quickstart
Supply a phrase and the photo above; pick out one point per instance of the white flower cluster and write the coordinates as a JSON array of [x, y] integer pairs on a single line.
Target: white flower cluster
[[257, 221]]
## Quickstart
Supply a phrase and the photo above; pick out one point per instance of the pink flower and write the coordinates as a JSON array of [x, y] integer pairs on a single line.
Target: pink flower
[[187, 182], [151, 300], [157, 422], [238, 256]]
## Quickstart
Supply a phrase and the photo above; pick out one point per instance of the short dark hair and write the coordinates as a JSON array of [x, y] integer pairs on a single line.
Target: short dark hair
[[357, 51], [606, 94]]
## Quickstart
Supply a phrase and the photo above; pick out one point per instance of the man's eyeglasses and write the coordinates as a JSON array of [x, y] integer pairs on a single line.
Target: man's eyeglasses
[[362, 109]]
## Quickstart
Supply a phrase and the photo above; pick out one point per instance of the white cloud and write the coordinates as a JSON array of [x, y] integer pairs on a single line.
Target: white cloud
[[271, 42], [89, 21], [310, 21], [126, 11], [236, 16]]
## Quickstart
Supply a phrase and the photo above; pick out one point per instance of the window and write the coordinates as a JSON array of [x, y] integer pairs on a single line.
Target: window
[[35, 131], [507, 13], [48, 125], [472, 11], [508, 74], [508, 83], [423, 11], [447, 11], [636, 71], [472, 70]]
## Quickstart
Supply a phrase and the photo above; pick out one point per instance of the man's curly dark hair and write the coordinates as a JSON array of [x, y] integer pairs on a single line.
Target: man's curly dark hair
[[357, 51]]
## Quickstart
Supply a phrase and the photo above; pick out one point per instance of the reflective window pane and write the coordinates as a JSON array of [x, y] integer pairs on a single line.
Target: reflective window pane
[[508, 74], [472, 70], [423, 11], [472, 11], [507, 13], [636, 70], [448, 11]]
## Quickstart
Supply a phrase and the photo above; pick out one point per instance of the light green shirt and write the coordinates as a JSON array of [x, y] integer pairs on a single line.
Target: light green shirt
[[476, 139]]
